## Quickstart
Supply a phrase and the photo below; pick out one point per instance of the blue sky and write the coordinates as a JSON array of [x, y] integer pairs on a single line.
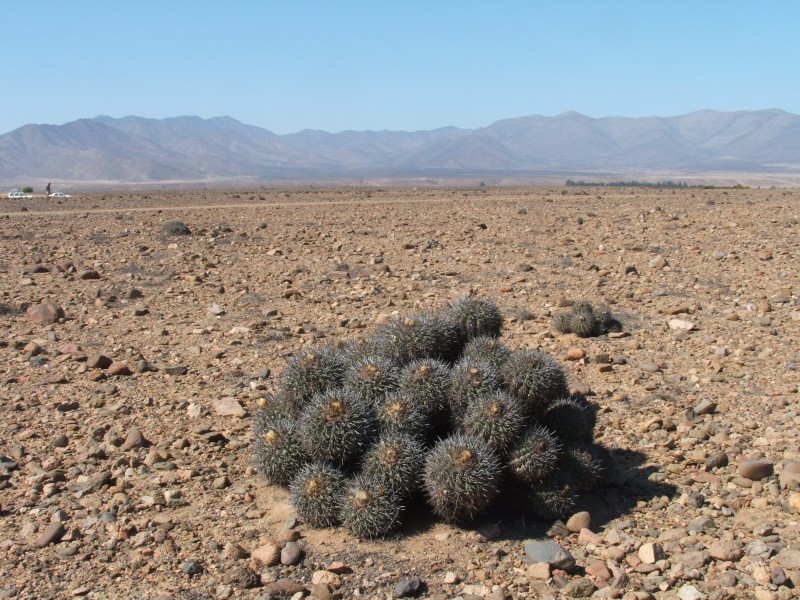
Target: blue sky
[[398, 65]]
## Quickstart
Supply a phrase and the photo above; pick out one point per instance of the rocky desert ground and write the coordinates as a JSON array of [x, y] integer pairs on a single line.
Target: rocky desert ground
[[133, 362]]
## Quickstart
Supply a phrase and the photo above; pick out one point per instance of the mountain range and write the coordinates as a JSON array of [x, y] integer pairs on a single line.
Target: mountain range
[[191, 149]]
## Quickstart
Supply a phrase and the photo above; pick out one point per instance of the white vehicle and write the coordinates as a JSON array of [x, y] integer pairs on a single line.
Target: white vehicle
[[59, 195], [19, 195]]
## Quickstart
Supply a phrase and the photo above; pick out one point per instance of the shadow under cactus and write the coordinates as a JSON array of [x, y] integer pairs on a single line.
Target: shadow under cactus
[[626, 483]]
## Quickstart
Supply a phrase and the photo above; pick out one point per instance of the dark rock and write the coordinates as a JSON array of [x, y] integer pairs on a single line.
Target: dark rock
[[408, 588], [755, 469], [214, 437], [778, 576], [192, 567], [717, 460], [550, 552], [175, 370]]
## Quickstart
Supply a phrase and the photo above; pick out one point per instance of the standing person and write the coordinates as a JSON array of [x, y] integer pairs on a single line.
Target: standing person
[[48, 188]]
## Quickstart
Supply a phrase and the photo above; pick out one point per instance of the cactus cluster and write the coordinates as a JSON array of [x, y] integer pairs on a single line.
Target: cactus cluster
[[429, 408], [585, 320]]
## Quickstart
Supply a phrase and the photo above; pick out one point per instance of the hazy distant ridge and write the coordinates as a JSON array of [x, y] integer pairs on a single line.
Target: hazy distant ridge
[[135, 149]]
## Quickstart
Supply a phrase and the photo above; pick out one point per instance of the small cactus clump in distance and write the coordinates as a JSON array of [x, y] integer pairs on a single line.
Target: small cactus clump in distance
[[586, 321], [176, 228], [606, 321]]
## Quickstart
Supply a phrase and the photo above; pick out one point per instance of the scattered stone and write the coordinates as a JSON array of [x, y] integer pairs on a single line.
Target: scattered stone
[[651, 553], [539, 570], [550, 552], [229, 407], [234, 551], [324, 591], [794, 501], [119, 369], [175, 370], [717, 460], [451, 578], [268, 554], [192, 567], [98, 361], [705, 407], [50, 534], [134, 439], [45, 313], [789, 558], [326, 577], [689, 592], [681, 324], [242, 578], [291, 554], [598, 570], [587, 536], [578, 521], [88, 274], [579, 587], [574, 354], [725, 550], [408, 588], [755, 469], [789, 477], [659, 262]]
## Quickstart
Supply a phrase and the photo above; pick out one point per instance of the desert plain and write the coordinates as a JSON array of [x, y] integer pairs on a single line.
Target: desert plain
[[133, 362]]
